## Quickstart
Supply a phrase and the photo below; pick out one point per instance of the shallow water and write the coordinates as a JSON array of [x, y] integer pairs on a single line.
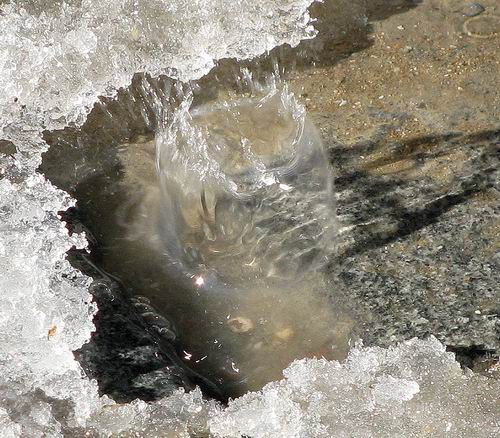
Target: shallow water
[[216, 210], [229, 246]]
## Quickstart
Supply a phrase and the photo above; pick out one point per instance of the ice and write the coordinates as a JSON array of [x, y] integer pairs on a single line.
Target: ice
[[252, 182], [56, 58], [413, 389], [180, 415], [8, 427], [44, 309]]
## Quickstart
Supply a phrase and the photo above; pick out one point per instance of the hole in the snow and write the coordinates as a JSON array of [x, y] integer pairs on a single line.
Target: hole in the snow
[[211, 215]]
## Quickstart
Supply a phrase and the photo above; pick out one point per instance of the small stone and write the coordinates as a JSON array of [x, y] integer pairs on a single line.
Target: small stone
[[140, 299], [156, 320], [240, 324], [258, 345], [166, 333], [284, 335], [473, 9], [52, 332]]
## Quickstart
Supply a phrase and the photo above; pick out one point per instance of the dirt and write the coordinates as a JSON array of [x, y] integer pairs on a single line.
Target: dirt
[[420, 63]]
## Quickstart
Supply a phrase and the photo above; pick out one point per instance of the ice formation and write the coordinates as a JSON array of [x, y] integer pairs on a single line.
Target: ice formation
[[240, 219], [252, 181], [415, 389], [56, 58]]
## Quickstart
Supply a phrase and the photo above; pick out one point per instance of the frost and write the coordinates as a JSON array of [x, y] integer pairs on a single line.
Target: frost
[[8, 428], [44, 305], [413, 389], [180, 415]]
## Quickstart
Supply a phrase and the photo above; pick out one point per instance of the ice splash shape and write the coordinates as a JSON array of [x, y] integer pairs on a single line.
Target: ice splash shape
[[240, 221], [57, 57], [246, 189]]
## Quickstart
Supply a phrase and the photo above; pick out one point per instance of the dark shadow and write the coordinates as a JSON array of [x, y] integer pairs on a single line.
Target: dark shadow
[[378, 209], [382, 9], [344, 27], [476, 358]]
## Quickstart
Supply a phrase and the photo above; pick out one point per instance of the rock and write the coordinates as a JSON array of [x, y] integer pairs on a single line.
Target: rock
[[240, 324], [285, 334], [473, 9]]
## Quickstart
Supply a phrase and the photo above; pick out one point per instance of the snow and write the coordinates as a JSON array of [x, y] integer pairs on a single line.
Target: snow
[[56, 60], [413, 389]]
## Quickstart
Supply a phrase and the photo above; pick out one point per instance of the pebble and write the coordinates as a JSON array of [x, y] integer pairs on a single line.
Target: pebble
[[157, 320], [473, 9], [142, 307], [240, 324], [285, 334], [166, 333], [258, 345], [140, 299]]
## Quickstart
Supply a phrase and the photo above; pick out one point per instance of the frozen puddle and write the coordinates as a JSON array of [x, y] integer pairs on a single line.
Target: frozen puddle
[[220, 226]]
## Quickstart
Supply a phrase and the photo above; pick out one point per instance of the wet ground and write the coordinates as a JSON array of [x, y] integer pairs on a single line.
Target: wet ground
[[405, 94], [412, 121]]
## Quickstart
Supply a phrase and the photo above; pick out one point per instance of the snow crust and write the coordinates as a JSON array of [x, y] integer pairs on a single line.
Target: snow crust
[[56, 58], [414, 389]]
